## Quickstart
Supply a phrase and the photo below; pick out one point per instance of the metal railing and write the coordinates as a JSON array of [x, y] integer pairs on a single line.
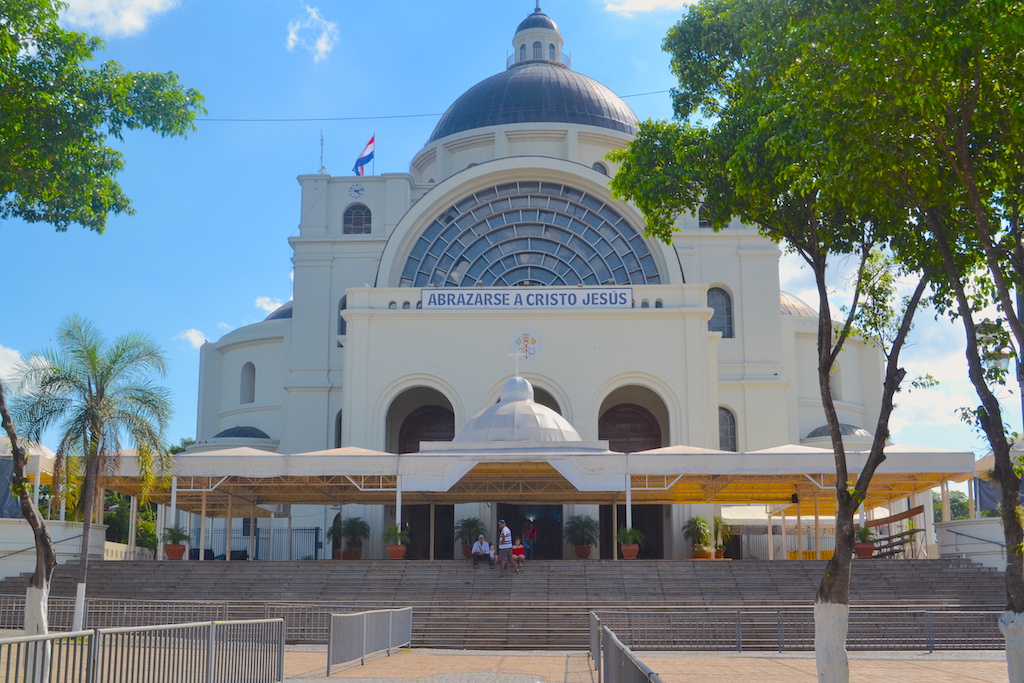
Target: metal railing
[[202, 652], [354, 636], [793, 630], [306, 622], [113, 613], [613, 661]]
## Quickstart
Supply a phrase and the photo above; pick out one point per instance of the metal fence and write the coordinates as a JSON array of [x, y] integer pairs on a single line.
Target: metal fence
[[113, 613], [208, 652], [297, 544], [613, 661], [306, 622], [701, 629], [354, 636]]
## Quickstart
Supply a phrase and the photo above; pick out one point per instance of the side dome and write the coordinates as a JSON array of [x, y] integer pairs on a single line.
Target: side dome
[[791, 305], [515, 417], [537, 20], [536, 93], [282, 311], [244, 432]]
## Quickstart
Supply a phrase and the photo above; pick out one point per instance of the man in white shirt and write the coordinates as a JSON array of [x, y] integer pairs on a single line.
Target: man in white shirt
[[504, 546], [482, 549]]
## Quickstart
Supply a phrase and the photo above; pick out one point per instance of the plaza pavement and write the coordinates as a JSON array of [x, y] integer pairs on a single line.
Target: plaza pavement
[[307, 664]]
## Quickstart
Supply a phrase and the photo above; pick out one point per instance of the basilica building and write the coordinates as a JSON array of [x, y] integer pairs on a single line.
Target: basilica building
[[501, 254]]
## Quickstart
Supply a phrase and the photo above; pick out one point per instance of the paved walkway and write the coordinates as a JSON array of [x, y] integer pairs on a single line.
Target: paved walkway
[[307, 664]]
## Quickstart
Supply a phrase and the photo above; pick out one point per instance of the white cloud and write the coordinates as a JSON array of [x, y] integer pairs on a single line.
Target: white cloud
[[8, 359], [630, 6], [313, 33], [224, 326], [267, 304], [193, 337], [115, 17]]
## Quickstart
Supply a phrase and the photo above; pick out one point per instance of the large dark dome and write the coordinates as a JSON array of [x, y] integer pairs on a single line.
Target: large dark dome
[[536, 93]]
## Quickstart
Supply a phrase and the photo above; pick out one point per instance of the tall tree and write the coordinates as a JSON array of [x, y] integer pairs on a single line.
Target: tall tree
[[751, 157], [95, 394], [38, 591], [58, 109], [921, 103]]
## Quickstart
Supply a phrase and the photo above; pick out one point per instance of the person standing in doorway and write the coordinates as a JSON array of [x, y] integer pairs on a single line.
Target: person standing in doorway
[[504, 546], [529, 538]]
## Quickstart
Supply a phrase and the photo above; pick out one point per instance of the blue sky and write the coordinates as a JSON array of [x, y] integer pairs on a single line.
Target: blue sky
[[207, 251]]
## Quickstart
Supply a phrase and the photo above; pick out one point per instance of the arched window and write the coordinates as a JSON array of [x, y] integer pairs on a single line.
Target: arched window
[[645, 304], [405, 305], [727, 430], [552, 55], [337, 430], [538, 50], [704, 219], [357, 220], [247, 394], [599, 167], [721, 320], [342, 326], [522, 52]]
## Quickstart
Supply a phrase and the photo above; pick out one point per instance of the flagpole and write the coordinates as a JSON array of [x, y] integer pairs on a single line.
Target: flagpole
[[373, 169]]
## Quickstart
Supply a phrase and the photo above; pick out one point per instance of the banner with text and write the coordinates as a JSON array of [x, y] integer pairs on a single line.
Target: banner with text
[[528, 297]]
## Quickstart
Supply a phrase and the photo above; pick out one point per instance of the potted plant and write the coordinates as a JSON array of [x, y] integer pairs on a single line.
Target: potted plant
[[467, 530], [174, 538], [582, 531], [698, 531], [351, 530], [394, 537], [865, 545], [722, 532], [629, 542]]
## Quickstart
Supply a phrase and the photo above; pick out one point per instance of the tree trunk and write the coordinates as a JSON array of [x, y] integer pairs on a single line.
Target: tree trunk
[[38, 591], [92, 469]]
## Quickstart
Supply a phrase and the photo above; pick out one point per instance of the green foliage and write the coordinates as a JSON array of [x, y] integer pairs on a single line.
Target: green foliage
[[175, 535], [864, 535], [118, 518], [58, 110], [721, 532], [352, 529], [98, 396], [181, 445], [581, 530], [959, 507], [468, 530], [697, 530], [395, 535], [628, 535]]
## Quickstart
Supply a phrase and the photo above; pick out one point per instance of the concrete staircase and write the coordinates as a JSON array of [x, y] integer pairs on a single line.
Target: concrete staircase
[[544, 607]]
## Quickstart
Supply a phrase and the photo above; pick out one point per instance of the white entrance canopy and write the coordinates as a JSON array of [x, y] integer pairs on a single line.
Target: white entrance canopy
[[537, 472]]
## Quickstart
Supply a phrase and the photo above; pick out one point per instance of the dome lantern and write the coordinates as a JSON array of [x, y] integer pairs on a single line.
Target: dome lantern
[[537, 39]]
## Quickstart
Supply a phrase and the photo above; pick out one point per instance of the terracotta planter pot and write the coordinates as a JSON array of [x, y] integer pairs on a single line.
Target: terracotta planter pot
[[467, 552], [719, 553], [864, 550], [702, 552], [629, 550], [352, 553], [396, 552], [174, 551], [583, 551]]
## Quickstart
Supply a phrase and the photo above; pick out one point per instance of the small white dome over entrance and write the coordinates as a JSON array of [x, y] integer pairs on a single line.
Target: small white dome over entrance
[[515, 417]]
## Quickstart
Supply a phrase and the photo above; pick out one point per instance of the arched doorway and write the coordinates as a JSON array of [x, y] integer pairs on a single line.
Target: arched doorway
[[428, 423], [416, 415], [632, 420]]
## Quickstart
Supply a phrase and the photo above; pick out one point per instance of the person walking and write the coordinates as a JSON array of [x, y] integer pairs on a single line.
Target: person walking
[[504, 546]]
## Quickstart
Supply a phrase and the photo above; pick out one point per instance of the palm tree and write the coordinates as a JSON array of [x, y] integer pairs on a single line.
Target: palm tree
[[93, 393]]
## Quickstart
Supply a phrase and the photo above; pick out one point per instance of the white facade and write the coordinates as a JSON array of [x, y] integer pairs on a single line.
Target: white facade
[[517, 200]]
